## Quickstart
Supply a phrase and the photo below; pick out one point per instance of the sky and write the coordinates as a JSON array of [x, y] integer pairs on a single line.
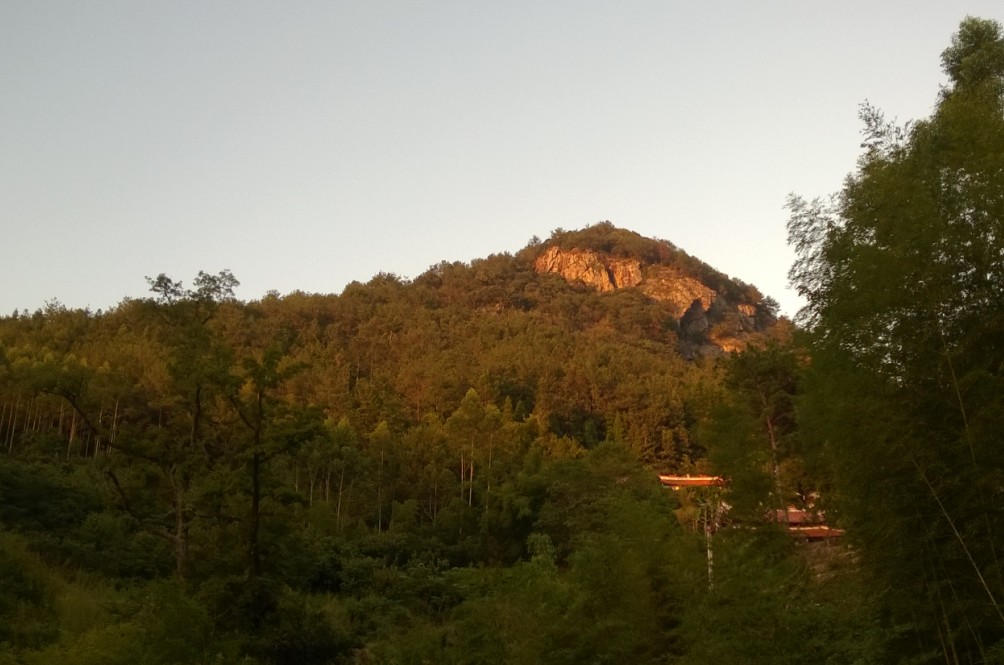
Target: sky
[[304, 145]]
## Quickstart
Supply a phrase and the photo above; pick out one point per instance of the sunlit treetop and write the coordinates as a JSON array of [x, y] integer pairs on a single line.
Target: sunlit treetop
[[975, 57]]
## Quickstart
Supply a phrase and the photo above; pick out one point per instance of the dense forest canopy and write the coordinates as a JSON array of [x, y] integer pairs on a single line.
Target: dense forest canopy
[[464, 467], [903, 273]]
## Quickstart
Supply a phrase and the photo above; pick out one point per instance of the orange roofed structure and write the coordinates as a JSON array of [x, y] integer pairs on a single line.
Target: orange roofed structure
[[676, 482], [798, 522], [815, 532]]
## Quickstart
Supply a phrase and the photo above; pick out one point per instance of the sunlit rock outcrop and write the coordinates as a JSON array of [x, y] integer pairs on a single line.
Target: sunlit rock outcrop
[[709, 322], [678, 291], [602, 273]]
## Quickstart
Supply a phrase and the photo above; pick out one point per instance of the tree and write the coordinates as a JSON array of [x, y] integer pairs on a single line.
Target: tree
[[751, 433], [902, 275], [976, 57], [271, 428]]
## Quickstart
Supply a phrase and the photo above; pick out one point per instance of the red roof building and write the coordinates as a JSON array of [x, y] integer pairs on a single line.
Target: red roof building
[[676, 482], [799, 522]]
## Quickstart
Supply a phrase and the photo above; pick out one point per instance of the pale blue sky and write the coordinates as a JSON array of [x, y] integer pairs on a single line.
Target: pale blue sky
[[304, 145]]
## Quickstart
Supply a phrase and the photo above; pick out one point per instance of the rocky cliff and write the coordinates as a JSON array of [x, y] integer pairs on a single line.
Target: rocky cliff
[[602, 273], [709, 321]]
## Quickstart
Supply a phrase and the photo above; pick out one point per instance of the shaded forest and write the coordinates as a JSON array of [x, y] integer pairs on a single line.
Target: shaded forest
[[463, 467]]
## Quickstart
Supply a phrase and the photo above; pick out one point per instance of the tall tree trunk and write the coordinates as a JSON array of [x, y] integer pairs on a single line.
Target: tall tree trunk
[[254, 551], [3, 420], [254, 547], [470, 487], [338, 505], [28, 414], [380, 494], [488, 472], [13, 426], [97, 436], [73, 433], [115, 422], [780, 502], [181, 527]]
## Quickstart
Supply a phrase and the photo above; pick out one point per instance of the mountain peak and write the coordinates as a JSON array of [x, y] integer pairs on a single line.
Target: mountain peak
[[715, 313]]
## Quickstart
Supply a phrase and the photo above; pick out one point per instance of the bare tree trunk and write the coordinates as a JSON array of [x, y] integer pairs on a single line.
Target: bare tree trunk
[[3, 419], [338, 505], [181, 527], [97, 437], [253, 547], [380, 495], [73, 433], [26, 427], [115, 421], [710, 550], [488, 487], [27, 417], [13, 426], [312, 475], [348, 496], [433, 499], [470, 488], [781, 504]]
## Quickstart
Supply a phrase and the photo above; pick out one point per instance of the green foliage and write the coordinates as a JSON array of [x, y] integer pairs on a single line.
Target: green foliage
[[459, 468], [27, 598], [163, 626], [106, 543], [43, 497], [975, 58], [752, 437], [902, 275], [624, 565], [298, 633], [766, 608]]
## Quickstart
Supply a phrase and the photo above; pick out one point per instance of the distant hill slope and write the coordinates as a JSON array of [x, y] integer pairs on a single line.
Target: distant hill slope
[[714, 313], [588, 336]]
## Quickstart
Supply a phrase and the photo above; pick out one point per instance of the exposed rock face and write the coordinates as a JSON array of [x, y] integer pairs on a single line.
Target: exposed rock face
[[709, 322], [625, 272], [678, 291], [695, 319], [585, 266], [607, 273]]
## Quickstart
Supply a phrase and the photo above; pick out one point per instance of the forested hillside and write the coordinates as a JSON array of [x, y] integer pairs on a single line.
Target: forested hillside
[[383, 474], [464, 467]]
